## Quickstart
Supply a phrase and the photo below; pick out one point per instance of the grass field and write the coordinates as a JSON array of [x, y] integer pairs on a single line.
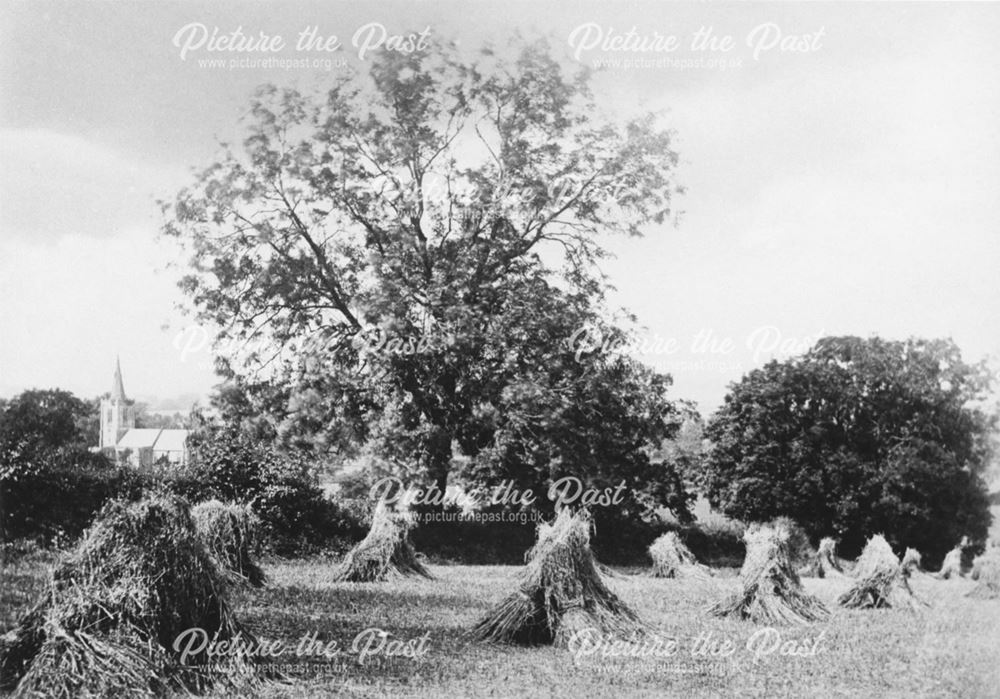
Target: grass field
[[951, 649]]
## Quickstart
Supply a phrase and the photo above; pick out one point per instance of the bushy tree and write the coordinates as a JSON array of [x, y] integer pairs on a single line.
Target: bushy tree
[[596, 418], [858, 437], [280, 486], [51, 484], [40, 428], [378, 252], [684, 451], [144, 419], [45, 420]]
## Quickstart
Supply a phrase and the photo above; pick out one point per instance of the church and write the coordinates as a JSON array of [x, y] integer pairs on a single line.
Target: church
[[123, 441]]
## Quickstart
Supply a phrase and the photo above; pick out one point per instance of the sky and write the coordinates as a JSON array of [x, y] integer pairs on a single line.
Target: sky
[[840, 165]]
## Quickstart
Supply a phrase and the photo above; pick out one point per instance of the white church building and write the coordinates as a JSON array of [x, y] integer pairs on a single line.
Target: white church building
[[121, 439]]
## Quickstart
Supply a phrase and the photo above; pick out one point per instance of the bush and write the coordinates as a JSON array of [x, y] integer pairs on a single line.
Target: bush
[[449, 536], [715, 545], [55, 496], [491, 538], [299, 519], [280, 487]]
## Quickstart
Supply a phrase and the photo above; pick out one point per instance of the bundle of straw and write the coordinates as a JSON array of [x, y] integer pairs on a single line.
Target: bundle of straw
[[824, 563], [231, 533], [671, 558], [771, 592], [986, 573], [912, 562], [106, 627], [385, 552], [800, 551], [951, 567], [881, 580], [561, 592]]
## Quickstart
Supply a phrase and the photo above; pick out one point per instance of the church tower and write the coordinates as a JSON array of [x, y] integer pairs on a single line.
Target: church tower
[[117, 414]]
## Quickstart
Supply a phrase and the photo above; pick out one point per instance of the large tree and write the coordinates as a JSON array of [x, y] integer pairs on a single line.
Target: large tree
[[859, 437], [381, 253]]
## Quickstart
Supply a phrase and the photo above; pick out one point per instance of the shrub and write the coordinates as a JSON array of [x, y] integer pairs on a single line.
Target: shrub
[[280, 486], [716, 539], [492, 537], [54, 497]]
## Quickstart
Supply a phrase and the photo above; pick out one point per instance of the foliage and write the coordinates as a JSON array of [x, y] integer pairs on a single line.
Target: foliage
[[378, 250], [595, 418], [280, 486], [38, 421], [50, 483], [686, 449], [494, 537], [858, 437], [56, 498], [144, 419]]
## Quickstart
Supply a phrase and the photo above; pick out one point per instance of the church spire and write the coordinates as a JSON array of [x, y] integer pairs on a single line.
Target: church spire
[[117, 387]]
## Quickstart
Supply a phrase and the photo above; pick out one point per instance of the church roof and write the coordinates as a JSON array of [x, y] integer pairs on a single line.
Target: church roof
[[138, 438], [156, 439], [117, 386], [171, 440]]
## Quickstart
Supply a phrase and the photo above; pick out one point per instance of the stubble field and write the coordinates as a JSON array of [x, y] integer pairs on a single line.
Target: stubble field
[[952, 648]]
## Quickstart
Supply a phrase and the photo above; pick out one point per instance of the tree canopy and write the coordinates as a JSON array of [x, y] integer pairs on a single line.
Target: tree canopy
[[388, 262], [859, 437], [37, 422]]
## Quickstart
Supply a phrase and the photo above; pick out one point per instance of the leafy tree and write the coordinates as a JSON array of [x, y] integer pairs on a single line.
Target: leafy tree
[[49, 480], [145, 419], [857, 437], [46, 420], [596, 417], [684, 452], [375, 257]]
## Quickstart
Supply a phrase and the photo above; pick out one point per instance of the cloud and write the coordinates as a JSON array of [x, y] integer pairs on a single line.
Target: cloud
[[54, 184], [844, 198]]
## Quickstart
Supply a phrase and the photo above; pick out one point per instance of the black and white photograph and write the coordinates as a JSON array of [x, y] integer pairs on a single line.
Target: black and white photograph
[[432, 348]]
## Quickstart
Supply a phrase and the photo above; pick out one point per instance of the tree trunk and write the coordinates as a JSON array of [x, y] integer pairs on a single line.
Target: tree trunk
[[437, 459]]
